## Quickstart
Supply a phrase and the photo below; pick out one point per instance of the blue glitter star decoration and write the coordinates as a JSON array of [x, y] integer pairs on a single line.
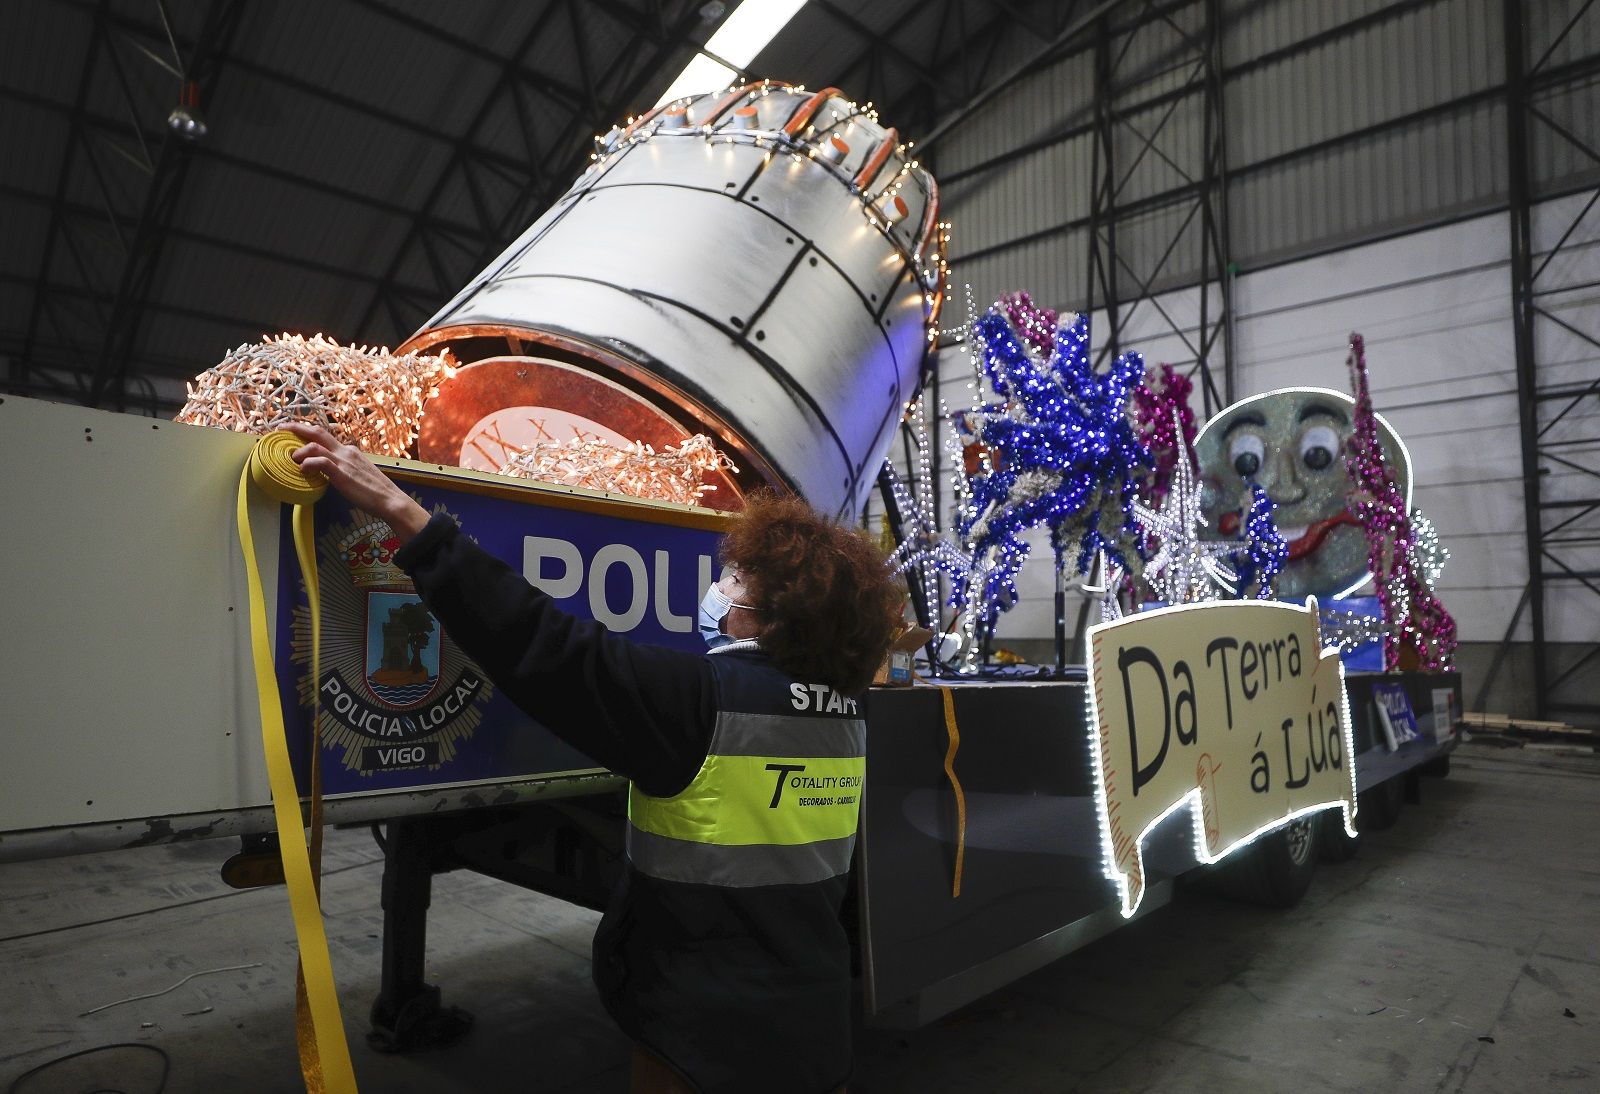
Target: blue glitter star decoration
[[1265, 549], [1066, 454]]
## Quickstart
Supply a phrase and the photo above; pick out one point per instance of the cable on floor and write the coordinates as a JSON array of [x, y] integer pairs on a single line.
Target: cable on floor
[[166, 1067]]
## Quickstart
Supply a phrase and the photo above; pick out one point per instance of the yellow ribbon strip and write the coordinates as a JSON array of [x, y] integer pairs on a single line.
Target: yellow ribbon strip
[[324, 1051], [954, 733]]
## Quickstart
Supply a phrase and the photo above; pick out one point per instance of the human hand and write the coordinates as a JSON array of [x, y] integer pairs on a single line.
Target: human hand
[[353, 475]]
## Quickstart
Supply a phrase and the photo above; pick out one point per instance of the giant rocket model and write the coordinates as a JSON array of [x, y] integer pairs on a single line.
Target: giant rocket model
[[762, 265]]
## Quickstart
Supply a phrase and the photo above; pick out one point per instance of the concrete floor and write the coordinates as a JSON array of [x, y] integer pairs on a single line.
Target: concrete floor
[[1459, 952]]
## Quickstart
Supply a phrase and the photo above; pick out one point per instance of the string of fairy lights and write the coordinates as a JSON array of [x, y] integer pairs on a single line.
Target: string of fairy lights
[[1101, 459], [1107, 460], [818, 141]]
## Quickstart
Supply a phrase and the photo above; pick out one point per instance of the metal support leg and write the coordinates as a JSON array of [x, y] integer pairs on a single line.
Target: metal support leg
[[407, 1015]]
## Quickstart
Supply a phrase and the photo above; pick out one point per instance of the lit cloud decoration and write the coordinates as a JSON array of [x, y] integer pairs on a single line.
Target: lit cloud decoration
[[1065, 456]]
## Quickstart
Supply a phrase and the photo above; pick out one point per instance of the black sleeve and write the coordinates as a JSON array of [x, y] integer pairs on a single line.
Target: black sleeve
[[646, 712]]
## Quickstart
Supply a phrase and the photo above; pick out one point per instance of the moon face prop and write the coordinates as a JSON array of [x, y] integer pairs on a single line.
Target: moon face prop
[[1292, 442]]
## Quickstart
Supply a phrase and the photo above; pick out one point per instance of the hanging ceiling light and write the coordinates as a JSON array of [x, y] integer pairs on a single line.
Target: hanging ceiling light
[[735, 44], [186, 119]]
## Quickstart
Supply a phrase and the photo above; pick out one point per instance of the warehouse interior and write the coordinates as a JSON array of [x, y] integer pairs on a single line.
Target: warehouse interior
[[1232, 187], [1239, 185]]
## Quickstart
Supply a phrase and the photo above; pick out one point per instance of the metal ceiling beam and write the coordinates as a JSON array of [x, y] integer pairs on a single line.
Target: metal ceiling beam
[[566, 152], [80, 211], [1077, 27], [507, 69], [64, 174], [558, 91], [106, 124], [157, 307], [881, 44], [238, 62], [161, 198], [679, 38]]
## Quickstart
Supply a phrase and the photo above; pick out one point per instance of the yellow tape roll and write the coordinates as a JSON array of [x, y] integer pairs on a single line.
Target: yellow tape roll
[[324, 1051], [273, 470]]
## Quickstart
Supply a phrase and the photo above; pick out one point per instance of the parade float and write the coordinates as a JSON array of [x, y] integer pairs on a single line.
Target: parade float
[[742, 290]]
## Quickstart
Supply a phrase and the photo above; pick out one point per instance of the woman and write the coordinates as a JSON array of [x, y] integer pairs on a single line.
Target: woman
[[721, 953]]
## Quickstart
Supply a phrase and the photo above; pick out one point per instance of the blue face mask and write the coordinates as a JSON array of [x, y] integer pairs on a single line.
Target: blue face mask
[[714, 607]]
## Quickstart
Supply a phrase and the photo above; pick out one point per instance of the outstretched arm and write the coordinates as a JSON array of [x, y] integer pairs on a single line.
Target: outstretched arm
[[352, 474], [645, 712]]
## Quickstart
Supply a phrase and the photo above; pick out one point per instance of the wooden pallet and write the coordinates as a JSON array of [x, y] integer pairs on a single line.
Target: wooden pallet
[[1529, 727]]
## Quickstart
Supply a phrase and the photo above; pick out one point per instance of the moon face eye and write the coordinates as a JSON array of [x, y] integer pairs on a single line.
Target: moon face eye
[[1317, 447], [1245, 452]]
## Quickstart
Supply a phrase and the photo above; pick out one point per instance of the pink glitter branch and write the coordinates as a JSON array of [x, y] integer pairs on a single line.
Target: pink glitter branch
[[1412, 614], [1036, 325], [1160, 409]]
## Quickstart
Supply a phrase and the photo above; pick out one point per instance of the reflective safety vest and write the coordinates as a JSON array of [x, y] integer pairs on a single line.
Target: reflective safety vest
[[723, 950], [776, 801]]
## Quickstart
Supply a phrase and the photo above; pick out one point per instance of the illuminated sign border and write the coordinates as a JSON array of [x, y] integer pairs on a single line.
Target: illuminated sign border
[[1126, 901]]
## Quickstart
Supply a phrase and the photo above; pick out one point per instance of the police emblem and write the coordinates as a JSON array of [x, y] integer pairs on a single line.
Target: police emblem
[[395, 692]]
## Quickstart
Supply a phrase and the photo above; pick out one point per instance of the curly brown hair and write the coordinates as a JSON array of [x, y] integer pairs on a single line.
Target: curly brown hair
[[828, 602]]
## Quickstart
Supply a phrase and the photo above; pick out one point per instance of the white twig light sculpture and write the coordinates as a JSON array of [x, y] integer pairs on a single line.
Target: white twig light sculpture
[[368, 397], [637, 470]]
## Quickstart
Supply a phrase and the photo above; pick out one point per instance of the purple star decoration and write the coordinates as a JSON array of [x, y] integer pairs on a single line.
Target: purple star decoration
[[1067, 455]]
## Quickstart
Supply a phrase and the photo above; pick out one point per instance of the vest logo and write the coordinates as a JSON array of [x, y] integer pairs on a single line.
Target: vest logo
[[820, 698], [395, 692], [794, 777]]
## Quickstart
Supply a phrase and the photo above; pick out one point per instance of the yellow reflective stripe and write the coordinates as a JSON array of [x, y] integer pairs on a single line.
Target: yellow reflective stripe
[[738, 867], [739, 800]]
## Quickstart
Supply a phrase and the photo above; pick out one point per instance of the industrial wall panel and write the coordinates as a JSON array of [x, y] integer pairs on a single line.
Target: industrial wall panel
[[1156, 56], [1159, 248], [1041, 105], [1043, 189], [1424, 172], [1415, 60], [1304, 175], [1565, 116], [1548, 37], [1174, 155], [1053, 268], [1255, 28], [1434, 308]]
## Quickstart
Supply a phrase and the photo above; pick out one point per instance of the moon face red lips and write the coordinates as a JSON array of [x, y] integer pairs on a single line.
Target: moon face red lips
[[1314, 534]]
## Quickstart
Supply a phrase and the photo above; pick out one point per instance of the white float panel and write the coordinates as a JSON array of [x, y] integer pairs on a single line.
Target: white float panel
[[126, 685]]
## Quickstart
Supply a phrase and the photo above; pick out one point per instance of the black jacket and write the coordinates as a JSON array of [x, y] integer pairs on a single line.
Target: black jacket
[[739, 991]]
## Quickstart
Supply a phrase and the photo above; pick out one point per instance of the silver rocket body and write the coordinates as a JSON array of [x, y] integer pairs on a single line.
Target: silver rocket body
[[761, 262]]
